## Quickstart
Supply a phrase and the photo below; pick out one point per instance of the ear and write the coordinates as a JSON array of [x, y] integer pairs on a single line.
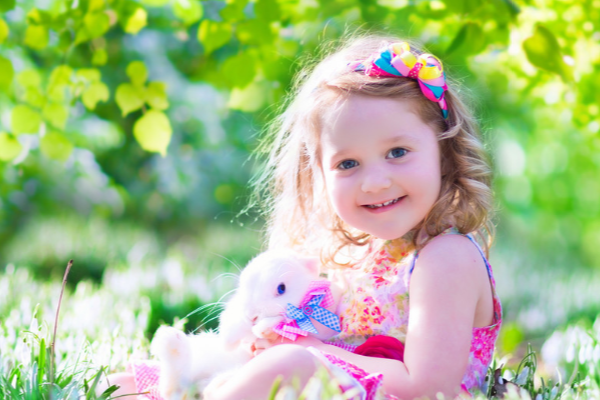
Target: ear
[[233, 326], [311, 263]]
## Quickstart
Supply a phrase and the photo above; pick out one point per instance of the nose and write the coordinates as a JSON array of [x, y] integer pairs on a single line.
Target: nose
[[252, 318], [375, 179]]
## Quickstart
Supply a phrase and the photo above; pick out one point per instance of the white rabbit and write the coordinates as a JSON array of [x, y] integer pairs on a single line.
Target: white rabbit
[[266, 286]]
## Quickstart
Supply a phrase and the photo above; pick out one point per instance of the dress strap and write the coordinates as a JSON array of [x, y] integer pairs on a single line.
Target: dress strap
[[485, 260]]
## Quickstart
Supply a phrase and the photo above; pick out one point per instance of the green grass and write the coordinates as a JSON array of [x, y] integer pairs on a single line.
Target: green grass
[[105, 323]]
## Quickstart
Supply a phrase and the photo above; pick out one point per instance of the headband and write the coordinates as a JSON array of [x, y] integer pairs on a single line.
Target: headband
[[396, 60]]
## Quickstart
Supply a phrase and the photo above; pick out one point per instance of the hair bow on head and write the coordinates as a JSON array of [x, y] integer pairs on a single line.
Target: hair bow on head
[[397, 60]]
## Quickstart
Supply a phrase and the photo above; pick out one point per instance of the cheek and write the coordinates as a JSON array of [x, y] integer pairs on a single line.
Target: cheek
[[338, 193]]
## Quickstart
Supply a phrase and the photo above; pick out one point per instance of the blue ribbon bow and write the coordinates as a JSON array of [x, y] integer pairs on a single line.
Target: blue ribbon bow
[[313, 310]]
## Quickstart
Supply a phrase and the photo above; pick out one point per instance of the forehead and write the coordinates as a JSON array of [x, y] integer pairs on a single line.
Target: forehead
[[359, 119]]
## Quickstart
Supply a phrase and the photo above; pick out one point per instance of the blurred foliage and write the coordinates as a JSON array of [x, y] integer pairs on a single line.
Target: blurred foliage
[[148, 110]]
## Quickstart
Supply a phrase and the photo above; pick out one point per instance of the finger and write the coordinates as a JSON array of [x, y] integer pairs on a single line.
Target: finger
[[262, 344]]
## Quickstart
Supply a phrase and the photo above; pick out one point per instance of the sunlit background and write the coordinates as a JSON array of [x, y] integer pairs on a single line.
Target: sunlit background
[[127, 129]]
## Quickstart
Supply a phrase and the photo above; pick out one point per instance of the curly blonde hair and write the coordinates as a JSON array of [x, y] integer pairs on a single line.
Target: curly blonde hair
[[299, 214]]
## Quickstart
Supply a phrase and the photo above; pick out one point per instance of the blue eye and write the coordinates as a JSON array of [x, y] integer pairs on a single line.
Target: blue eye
[[397, 152], [281, 288], [347, 164]]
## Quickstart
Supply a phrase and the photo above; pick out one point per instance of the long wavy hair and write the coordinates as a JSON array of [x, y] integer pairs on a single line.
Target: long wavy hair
[[291, 190]]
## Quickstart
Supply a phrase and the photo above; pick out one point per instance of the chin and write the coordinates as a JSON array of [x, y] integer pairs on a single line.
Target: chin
[[389, 235]]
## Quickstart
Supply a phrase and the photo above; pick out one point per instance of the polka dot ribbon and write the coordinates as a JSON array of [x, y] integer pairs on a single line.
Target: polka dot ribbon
[[397, 60]]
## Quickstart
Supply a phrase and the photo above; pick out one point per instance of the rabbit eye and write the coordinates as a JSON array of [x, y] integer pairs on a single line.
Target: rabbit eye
[[281, 288]]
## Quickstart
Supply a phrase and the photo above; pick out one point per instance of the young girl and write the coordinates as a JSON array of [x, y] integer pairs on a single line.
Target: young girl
[[377, 158], [376, 166]]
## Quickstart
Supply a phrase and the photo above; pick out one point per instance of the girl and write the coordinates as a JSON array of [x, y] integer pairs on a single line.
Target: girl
[[376, 166]]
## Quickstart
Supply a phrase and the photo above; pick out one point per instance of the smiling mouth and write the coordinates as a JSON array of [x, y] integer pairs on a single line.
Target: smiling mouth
[[387, 203]]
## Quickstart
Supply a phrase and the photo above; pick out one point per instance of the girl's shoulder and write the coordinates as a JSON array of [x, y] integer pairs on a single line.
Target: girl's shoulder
[[460, 253], [454, 263], [452, 247]]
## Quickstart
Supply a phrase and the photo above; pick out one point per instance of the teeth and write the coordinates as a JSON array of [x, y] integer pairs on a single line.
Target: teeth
[[387, 203]]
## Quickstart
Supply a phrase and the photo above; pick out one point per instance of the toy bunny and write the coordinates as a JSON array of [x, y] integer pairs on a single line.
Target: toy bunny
[[279, 293]]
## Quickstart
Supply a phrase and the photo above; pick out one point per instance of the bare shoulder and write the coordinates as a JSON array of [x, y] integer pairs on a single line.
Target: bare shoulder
[[451, 254], [451, 265]]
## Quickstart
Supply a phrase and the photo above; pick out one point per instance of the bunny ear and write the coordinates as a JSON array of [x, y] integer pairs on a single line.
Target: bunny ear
[[233, 325]]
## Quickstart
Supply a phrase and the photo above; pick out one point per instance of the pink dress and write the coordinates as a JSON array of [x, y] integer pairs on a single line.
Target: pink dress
[[377, 303]]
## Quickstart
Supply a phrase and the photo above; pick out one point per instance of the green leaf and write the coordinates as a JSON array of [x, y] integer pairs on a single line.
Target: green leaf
[[59, 82], [7, 73], [543, 51], [153, 132], [100, 57], [96, 24], [267, 10], [96, 92], [4, 31], [96, 5], [189, 11], [29, 78], [129, 98], [89, 74], [7, 5], [469, 40], [155, 3], [10, 147], [42, 355], [462, 6], [34, 97], [234, 10], [156, 95], [34, 16], [56, 113], [61, 75], [137, 21], [240, 69], [36, 37], [254, 32], [213, 34], [65, 41], [249, 99], [25, 120], [137, 72], [56, 146]]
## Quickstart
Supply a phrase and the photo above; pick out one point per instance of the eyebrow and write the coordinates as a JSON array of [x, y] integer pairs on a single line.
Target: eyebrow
[[402, 137]]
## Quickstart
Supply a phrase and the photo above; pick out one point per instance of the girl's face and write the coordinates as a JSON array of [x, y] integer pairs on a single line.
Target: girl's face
[[381, 165]]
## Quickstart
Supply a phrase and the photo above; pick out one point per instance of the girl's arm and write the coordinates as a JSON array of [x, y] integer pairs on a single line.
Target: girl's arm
[[450, 293]]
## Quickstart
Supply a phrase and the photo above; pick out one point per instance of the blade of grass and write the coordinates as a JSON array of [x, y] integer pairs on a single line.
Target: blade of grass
[[275, 388], [64, 283]]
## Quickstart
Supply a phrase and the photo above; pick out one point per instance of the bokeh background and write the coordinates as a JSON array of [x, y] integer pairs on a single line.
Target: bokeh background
[[128, 132]]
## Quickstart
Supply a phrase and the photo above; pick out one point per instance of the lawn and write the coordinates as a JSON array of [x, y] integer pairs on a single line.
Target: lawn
[[549, 345]]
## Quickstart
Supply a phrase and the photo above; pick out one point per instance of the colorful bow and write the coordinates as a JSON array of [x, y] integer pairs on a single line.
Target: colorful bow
[[317, 297], [398, 60], [313, 310]]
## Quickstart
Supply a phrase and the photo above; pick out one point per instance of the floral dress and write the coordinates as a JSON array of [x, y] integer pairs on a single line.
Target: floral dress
[[376, 302]]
